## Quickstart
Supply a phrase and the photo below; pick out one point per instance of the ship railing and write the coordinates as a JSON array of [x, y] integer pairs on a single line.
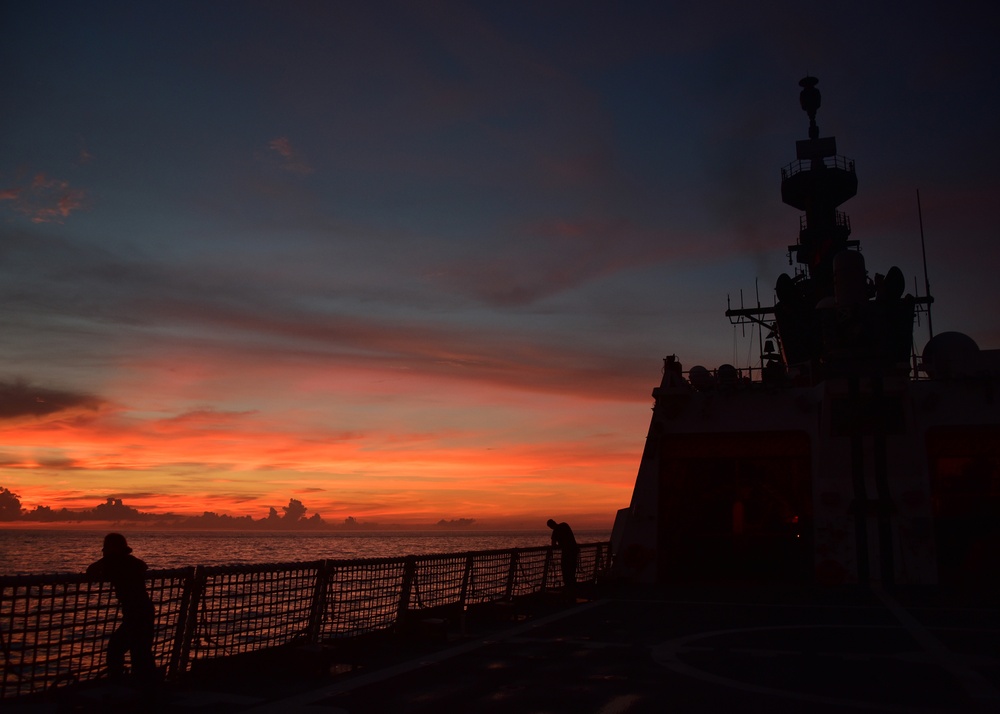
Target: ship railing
[[831, 162], [54, 628], [755, 377]]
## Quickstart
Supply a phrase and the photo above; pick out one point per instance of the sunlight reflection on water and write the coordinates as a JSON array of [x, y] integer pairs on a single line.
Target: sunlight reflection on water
[[24, 551]]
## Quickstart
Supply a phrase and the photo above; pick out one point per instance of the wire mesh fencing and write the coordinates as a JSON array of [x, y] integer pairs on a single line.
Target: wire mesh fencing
[[361, 596], [54, 629], [240, 609]]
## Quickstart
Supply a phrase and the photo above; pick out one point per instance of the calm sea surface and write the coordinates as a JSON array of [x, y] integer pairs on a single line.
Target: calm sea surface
[[24, 551]]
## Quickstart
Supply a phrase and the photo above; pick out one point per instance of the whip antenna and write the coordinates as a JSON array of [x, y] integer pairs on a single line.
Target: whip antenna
[[923, 252]]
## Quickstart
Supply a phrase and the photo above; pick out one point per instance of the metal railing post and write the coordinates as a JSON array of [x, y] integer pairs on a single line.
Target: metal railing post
[[511, 575], [409, 569], [318, 608], [180, 633], [190, 619], [466, 581], [463, 596]]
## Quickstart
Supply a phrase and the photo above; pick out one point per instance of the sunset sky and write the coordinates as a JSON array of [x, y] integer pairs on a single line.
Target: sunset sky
[[422, 260]]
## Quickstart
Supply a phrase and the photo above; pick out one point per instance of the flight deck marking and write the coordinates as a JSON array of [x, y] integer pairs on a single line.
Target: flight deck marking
[[973, 683], [668, 653], [282, 706]]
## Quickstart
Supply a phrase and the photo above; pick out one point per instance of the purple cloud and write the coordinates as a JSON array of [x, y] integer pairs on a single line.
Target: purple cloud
[[44, 199], [292, 160]]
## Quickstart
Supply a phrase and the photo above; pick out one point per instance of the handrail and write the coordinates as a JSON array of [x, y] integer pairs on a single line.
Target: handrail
[[830, 162], [54, 628]]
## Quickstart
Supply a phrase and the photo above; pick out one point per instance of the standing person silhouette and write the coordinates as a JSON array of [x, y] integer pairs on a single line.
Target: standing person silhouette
[[127, 575], [562, 536]]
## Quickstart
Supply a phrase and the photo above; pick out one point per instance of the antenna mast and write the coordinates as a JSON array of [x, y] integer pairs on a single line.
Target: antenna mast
[[923, 252]]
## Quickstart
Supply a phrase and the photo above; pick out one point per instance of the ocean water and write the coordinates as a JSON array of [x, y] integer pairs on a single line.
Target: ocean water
[[34, 551]]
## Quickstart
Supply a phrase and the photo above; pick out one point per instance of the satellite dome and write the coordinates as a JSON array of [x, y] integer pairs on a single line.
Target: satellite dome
[[947, 353], [728, 376], [701, 379]]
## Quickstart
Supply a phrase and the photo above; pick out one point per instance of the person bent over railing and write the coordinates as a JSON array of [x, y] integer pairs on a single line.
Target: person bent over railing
[[127, 575]]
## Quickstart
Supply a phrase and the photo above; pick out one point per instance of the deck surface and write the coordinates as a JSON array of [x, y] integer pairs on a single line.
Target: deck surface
[[625, 650]]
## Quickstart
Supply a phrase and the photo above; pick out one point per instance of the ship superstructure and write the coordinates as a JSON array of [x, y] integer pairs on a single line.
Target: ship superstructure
[[844, 458]]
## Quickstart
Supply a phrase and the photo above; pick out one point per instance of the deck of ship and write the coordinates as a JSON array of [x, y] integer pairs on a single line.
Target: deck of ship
[[625, 650]]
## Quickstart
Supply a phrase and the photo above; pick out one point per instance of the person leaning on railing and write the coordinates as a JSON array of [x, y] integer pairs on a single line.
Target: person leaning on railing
[[562, 536], [127, 575]]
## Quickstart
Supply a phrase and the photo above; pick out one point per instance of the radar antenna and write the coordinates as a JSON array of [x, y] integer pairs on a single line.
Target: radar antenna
[[810, 99]]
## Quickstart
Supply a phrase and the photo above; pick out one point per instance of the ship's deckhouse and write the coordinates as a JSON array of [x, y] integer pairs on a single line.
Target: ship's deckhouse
[[844, 457]]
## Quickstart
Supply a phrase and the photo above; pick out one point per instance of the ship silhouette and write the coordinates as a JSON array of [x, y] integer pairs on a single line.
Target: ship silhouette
[[843, 456]]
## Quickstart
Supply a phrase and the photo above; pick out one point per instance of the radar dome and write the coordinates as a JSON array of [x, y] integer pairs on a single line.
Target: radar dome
[[728, 376], [701, 379], [947, 353]]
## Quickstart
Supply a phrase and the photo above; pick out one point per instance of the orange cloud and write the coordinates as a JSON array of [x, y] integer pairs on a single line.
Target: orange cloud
[[481, 455]]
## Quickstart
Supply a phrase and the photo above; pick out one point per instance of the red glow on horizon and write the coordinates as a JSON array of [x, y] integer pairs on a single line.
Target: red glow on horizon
[[479, 455]]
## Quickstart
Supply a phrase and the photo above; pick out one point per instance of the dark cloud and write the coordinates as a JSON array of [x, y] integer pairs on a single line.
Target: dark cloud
[[20, 399], [60, 464]]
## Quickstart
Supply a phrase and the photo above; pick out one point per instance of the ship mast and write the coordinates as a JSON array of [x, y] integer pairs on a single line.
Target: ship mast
[[830, 319], [817, 183]]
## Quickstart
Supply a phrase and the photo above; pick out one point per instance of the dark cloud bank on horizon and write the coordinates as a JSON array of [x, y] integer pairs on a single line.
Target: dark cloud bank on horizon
[[114, 510]]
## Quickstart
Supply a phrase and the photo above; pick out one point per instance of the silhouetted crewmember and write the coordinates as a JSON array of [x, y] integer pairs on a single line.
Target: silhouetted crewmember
[[127, 575], [562, 536]]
